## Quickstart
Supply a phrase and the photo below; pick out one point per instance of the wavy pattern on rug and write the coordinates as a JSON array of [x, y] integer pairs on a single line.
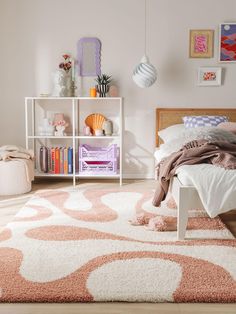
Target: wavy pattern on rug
[[78, 246]]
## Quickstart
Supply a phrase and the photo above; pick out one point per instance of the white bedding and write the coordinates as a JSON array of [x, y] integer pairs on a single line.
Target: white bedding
[[216, 186]]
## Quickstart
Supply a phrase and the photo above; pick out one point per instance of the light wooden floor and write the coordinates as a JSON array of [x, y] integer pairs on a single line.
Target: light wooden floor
[[9, 206]]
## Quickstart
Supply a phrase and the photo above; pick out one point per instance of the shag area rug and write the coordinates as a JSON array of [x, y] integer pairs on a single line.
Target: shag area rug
[[78, 246]]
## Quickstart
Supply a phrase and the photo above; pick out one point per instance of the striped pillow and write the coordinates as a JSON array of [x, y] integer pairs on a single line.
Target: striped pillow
[[202, 121]]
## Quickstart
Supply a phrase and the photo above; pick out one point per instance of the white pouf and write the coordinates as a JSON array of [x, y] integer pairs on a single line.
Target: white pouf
[[13, 178]]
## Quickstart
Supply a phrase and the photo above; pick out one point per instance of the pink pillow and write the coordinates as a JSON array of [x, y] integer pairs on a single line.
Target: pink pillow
[[229, 126]]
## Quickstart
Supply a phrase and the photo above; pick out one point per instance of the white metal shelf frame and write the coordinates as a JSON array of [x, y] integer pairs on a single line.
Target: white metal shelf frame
[[30, 103]]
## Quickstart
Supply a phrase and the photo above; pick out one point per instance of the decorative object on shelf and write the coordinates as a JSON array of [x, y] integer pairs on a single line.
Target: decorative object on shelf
[[60, 84], [145, 74], [103, 84], [93, 92], [209, 76], [87, 131], [95, 121], [72, 89], [47, 128], [227, 42], [201, 43], [98, 132], [44, 95], [113, 91], [60, 124], [62, 77], [89, 56], [107, 127]]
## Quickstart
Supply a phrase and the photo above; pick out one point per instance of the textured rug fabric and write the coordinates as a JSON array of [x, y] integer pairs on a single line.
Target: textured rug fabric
[[78, 246]]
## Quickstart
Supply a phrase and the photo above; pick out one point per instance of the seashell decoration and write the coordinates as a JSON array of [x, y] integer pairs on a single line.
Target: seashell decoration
[[144, 74], [95, 121]]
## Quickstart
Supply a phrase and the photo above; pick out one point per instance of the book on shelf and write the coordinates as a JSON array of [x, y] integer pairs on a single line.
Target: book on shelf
[[56, 160]]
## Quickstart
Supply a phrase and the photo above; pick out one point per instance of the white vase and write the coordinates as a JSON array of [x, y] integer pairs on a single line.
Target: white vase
[[60, 130], [61, 81]]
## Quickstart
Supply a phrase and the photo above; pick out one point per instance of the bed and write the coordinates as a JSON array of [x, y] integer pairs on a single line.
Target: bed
[[185, 195]]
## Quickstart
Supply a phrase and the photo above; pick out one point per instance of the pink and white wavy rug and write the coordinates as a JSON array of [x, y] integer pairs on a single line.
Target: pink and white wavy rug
[[78, 246]]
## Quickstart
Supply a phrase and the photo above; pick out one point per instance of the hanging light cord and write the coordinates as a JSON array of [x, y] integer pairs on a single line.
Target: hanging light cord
[[145, 27]]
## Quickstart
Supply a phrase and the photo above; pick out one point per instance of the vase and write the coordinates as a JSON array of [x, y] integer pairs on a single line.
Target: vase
[[102, 90], [60, 130], [61, 81], [107, 127]]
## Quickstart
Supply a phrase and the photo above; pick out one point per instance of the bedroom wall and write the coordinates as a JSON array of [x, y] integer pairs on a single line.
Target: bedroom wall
[[33, 34]]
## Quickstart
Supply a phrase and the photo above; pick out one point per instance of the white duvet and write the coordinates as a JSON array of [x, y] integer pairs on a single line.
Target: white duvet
[[216, 186]]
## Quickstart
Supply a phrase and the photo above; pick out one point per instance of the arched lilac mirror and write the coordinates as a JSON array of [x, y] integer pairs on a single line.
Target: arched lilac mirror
[[89, 56]]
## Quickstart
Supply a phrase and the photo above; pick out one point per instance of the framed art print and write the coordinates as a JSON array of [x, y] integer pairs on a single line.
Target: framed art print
[[227, 42], [201, 43], [209, 76]]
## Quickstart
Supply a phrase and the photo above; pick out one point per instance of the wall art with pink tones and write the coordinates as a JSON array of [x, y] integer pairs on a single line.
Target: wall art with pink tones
[[201, 43], [227, 42], [209, 76]]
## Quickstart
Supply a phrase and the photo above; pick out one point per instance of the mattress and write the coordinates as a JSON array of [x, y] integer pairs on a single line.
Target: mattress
[[184, 178], [182, 175]]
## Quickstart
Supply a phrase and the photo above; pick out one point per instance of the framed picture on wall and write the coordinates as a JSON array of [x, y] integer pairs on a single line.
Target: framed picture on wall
[[209, 76], [201, 43], [227, 42]]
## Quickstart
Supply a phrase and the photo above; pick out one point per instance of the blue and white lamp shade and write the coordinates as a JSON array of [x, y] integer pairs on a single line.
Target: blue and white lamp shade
[[144, 74]]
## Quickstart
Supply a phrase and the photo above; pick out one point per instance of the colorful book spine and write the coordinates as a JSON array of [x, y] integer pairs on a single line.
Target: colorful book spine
[[70, 160], [57, 160], [52, 160], [62, 160], [65, 160]]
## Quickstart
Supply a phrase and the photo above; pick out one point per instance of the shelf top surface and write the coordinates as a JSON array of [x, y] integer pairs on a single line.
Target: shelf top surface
[[73, 98]]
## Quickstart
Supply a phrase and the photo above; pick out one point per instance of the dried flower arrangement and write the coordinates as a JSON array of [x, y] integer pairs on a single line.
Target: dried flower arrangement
[[66, 64]]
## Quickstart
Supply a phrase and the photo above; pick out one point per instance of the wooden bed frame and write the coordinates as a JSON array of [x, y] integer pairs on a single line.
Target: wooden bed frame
[[186, 197]]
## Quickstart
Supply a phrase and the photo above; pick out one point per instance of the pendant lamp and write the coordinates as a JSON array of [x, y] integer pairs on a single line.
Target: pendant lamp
[[145, 74]]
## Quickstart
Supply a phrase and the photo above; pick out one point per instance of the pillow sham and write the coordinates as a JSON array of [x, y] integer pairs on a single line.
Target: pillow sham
[[228, 126], [203, 121], [171, 132], [207, 133]]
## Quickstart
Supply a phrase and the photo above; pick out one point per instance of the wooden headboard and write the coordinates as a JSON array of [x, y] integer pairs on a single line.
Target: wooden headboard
[[168, 116]]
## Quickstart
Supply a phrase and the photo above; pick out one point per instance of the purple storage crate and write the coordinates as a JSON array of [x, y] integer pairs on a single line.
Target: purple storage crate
[[97, 160]]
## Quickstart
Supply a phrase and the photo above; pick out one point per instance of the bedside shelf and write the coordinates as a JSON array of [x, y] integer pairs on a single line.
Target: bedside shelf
[[76, 106]]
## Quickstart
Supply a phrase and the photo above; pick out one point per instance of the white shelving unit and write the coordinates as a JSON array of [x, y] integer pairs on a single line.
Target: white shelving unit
[[74, 107]]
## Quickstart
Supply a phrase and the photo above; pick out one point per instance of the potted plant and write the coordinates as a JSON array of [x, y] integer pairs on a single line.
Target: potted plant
[[102, 87]]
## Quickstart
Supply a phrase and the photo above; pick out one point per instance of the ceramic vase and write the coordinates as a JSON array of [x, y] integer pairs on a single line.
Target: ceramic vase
[[60, 130], [102, 90], [107, 127], [62, 82]]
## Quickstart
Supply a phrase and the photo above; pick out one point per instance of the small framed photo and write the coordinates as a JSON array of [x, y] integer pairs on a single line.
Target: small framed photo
[[227, 42], [201, 43], [209, 76]]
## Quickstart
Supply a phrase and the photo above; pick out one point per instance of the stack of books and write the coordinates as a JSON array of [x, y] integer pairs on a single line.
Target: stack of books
[[56, 160]]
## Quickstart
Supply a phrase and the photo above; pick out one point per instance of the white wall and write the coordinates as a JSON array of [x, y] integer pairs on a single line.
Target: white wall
[[34, 33]]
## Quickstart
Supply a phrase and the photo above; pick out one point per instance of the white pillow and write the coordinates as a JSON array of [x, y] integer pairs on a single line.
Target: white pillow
[[208, 133], [171, 132]]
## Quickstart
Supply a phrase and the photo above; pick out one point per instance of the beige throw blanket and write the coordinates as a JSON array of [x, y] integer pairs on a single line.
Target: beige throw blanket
[[220, 153], [26, 156]]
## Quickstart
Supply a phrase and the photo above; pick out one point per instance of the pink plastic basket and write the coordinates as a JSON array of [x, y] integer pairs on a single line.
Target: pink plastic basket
[[97, 160]]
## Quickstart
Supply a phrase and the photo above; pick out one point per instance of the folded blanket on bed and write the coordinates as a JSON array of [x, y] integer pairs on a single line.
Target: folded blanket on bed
[[220, 153]]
